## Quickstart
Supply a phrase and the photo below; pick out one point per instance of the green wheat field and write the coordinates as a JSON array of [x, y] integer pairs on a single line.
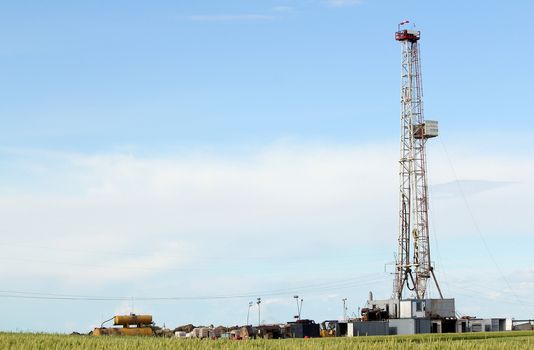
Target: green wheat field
[[502, 340]]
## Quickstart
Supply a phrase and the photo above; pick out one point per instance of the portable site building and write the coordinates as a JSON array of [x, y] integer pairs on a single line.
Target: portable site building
[[367, 328]]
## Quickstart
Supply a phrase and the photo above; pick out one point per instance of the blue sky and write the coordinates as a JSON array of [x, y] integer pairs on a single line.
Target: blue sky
[[178, 148]]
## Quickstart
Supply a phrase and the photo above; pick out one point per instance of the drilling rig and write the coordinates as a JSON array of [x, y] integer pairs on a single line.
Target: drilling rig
[[413, 266], [413, 190]]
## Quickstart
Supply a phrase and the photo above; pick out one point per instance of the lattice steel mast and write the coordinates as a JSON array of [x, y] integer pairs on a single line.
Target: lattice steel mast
[[413, 272]]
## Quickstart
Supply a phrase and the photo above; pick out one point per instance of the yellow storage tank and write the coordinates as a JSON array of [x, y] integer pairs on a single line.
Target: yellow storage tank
[[128, 320], [141, 326]]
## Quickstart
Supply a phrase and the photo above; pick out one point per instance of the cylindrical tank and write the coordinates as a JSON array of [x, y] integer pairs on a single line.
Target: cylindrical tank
[[132, 320]]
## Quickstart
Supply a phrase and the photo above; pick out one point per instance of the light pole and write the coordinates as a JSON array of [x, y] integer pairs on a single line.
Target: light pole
[[298, 308], [248, 311], [344, 300], [258, 301]]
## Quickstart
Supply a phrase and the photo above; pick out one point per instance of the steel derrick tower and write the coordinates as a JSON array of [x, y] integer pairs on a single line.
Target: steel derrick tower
[[413, 265]]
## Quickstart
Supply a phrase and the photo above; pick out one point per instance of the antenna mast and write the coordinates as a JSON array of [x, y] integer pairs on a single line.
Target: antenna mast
[[412, 272]]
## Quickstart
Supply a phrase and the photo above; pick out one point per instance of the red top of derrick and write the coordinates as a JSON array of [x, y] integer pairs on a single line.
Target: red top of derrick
[[408, 35]]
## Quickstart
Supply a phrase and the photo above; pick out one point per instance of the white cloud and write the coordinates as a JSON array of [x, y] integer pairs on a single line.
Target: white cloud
[[340, 3], [231, 17], [282, 9], [466, 187], [186, 214]]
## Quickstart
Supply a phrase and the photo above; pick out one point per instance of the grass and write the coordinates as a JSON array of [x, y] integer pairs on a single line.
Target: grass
[[467, 341]]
